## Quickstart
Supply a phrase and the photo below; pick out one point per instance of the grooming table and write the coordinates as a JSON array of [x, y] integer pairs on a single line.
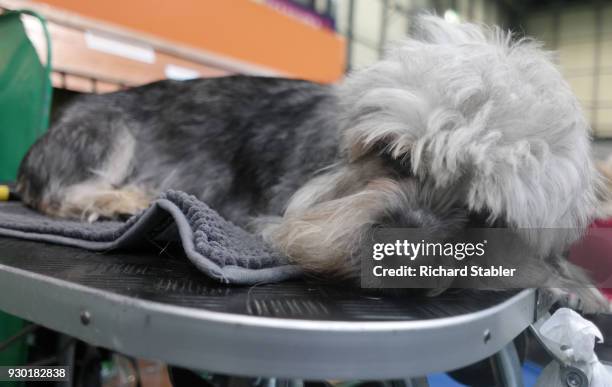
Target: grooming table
[[157, 305]]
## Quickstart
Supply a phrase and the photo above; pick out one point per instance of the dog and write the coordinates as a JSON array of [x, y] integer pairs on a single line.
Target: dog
[[458, 122]]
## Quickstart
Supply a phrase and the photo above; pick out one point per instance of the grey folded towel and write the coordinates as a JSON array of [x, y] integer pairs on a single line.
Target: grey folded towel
[[217, 247]]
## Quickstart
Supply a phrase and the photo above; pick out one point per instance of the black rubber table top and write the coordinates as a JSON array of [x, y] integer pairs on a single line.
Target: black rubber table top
[[167, 277], [156, 304]]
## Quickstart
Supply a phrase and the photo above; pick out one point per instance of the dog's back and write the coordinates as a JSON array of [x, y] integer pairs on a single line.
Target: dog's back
[[243, 144]]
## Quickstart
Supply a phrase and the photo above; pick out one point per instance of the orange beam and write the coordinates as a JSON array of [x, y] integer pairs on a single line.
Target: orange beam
[[240, 29]]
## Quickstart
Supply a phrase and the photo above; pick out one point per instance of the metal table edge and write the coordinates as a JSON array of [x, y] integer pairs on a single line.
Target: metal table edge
[[264, 346]]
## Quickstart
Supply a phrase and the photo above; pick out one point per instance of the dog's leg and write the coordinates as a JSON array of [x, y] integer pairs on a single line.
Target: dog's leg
[[67, 177], [574, 288], [93, 200], [327, 237]]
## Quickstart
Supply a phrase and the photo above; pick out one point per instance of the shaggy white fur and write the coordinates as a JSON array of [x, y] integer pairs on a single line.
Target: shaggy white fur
[[468, 105]]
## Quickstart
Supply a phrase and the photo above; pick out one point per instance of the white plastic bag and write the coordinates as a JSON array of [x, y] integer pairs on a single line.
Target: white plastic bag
[[572, 338]]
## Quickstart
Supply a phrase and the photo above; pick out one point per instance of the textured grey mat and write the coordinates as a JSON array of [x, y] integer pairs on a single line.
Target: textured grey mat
[[217, 247]]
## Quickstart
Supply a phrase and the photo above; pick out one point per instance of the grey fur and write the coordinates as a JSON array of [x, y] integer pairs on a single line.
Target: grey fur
[[242, 144]]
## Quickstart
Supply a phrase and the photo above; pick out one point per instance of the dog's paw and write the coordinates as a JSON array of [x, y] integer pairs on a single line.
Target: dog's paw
[[92, 203]]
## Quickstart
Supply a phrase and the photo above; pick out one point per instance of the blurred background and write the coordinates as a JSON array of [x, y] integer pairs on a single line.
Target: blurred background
[[101, 46]]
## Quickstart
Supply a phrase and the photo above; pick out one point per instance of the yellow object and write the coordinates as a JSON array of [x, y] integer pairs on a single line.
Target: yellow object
[[4, 193]]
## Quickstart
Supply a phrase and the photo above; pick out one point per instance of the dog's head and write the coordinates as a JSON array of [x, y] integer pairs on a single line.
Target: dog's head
[[457, 118], [472, 108]]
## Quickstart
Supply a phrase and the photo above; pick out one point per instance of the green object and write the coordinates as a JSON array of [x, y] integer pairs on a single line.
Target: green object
[[25, 92], [25, 99], [17, 352]]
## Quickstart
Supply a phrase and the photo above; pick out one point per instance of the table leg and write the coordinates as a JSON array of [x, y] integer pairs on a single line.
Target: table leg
[[274, 382], [417, 382], [507, 365]]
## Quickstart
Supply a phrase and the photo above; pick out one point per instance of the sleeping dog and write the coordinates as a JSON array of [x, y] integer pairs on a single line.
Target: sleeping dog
[[458, 122]]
